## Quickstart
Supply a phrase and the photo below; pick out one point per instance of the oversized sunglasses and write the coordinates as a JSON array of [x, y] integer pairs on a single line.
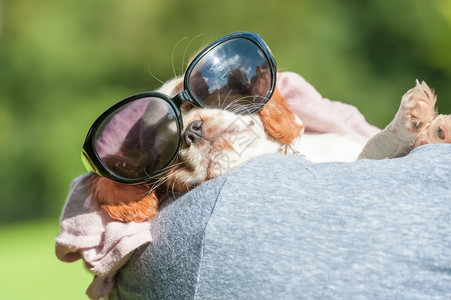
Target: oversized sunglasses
[[138, 137]]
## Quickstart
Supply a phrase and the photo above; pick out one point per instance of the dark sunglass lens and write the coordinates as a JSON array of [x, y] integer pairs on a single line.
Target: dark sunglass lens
[[139, 138], [235, 75]]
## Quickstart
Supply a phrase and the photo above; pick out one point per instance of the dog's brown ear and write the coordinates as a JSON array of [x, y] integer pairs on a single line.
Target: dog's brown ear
[[123, 202], [279, 121]]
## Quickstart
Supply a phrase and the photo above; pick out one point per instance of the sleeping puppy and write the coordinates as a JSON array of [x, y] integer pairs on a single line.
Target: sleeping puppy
[[216, 141]]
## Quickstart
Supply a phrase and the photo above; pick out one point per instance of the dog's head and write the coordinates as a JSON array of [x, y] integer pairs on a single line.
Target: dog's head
[[213, 142]]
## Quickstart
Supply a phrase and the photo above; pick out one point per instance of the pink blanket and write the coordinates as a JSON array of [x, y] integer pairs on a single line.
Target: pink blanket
[[88, 233], [321, 114]]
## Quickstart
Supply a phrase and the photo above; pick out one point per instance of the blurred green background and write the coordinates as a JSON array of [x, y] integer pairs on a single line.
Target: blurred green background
[[64, 62]]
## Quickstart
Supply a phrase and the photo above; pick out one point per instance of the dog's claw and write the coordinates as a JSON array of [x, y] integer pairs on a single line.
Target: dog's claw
[[418, 107]]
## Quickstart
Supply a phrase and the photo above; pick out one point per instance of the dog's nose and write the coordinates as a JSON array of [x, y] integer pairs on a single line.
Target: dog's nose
[[193, 133]]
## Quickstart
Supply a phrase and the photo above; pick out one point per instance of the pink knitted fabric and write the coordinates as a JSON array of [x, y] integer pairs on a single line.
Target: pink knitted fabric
[[88, 232], [321, 114]]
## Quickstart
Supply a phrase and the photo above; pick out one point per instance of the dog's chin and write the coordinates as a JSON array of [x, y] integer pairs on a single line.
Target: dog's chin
[[227, 141], [192, 168]]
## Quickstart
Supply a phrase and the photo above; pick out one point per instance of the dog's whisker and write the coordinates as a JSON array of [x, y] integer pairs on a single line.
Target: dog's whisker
[[163, 171], [173, 53], [221, 105], [162, 177], [153, 75], [172, 188], [239, 105], [186, 50]]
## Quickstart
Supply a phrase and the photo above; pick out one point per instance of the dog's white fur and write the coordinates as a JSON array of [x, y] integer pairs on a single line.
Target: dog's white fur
[[252, 140], [228, 141]]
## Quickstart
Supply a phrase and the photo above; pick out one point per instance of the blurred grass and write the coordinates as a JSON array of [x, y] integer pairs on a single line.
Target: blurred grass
[[30, 269], [62, 63]]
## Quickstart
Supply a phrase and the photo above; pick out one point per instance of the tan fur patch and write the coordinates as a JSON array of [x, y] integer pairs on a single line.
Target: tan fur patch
[[124, 202], [279, 121]]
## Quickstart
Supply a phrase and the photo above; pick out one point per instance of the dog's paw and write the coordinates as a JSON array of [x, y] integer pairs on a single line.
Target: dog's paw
[[418, 107]]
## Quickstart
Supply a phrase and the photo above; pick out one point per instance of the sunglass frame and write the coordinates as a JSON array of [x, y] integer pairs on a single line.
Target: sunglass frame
[[91, 159]]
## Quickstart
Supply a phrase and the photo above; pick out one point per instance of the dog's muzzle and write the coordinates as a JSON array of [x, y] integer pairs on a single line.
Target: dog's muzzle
[[193, 132]]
